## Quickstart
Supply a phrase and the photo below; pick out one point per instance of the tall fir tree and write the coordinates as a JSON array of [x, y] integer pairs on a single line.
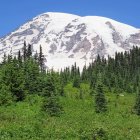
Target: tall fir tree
[[41, 60], [100, 100], [24, 51], [29, 51], [51, 103]]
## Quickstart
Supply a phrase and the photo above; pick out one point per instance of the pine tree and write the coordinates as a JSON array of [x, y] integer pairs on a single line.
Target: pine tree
[[19, 58], [4, 59], [29, 51], [36, 57], [49, 87], [24, 51], [51, 103], [31, 74], [41, 60], [100, 100], [13, 76], [76, 82]]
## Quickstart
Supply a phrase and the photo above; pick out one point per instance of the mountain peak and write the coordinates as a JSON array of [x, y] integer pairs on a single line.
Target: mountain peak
[[57, 15], [70, 38]]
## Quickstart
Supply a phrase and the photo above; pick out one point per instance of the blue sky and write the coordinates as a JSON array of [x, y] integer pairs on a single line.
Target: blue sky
[[14, 13]]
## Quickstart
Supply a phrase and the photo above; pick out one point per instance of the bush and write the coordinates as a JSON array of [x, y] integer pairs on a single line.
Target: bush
[[5, 96], [93, 134], [52, 106]]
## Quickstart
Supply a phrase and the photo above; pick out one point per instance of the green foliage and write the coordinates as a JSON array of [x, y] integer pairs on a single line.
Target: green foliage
[[100, 100], [22, 74], [13, 77], [137, 103], [41, 59], [52, 106], [93, 134], [62, 91], [25, 120], [121, 72], [5, 95], [76, 82], [51, 103], [31, 74], [28, 93], [49, 87]]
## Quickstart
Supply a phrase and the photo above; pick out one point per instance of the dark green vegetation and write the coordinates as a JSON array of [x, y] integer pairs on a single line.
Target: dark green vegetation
[[101, 103]]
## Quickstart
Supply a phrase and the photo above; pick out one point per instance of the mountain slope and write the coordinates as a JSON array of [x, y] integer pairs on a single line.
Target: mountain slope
[[67, 38]]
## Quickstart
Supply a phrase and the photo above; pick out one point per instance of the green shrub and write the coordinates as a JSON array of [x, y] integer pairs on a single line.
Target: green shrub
[[52, 106], [5, 96]]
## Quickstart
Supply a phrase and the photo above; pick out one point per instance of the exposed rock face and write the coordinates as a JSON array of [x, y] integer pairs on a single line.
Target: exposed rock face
[[83, 45], [53, 48], [69, 38], [117, 38]]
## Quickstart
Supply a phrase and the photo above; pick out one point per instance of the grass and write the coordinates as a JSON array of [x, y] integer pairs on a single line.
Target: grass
[[26, 121]]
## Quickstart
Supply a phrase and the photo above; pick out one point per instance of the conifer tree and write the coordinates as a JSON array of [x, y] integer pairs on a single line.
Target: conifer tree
[[24, 51], [36, 57], [51, 100], [29, 51], [19, 58], [49, 87], [16, 80], [76, 82], [100, 100], [41, 60], [31, 73], [4, 58]]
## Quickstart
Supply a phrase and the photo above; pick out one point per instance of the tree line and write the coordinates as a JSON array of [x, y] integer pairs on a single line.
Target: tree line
[[117, 75], [26, 74]]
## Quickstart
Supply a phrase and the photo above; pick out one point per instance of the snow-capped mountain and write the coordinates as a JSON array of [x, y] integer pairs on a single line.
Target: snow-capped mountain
[[67, 38]]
